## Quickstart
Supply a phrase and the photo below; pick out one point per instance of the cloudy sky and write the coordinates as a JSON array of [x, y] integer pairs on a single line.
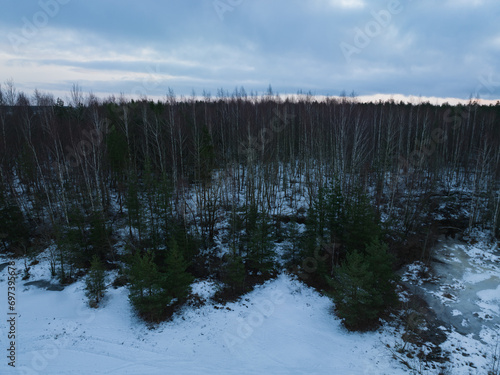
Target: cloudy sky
[[428, 48]]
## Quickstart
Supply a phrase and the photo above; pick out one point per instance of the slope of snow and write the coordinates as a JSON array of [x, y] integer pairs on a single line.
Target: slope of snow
[[282, 327]]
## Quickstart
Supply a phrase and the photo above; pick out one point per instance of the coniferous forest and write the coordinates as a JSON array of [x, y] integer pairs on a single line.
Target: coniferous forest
[[240, 187]]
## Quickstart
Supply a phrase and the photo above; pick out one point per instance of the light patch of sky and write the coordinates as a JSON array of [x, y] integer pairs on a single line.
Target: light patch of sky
[[352, 4]]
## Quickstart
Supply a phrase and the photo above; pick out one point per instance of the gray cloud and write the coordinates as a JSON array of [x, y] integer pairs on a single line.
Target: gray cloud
[[445, 49]]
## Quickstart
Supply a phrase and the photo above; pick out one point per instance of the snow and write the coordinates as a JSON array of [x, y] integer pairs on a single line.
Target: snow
[[281, 327], [490, 299], [490, 295], [464, 291], [204, 288], [474, 278]]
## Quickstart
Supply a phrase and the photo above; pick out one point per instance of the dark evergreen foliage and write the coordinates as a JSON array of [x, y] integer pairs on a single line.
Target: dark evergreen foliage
[[146, 288], [337, 224], [14, 231], [94, 283], [364, 287], [258, 245], [177, 279], [235, 274], [155, 289]]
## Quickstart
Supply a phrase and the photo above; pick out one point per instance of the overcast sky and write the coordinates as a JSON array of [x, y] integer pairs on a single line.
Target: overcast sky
[[429, 48]]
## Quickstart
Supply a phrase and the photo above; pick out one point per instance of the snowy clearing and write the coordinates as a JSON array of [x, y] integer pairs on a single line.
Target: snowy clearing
[[282, 327]]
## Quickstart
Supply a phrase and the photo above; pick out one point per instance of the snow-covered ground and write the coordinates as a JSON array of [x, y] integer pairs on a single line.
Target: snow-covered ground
[[282, 327], [462, 286]]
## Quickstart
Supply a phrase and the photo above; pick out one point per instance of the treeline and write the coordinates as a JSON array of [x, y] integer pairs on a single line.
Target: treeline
[[211, 186]]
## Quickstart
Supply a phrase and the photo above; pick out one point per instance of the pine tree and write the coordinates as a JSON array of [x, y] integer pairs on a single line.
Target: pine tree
[[134, 206], [66, 254], [99, 235], [187, 243], [293, 247], [335, 206], [317, 215], [117, 151], [325, 229], [95, 286], [146, 292], [178, 280], [235, 274], [235, 229], [364, 286], [164, 206], [497, 228], [13, 228], [72, 243], [206, 151], [151, 195], [360, 225], [381, 263], [337, 224], [258, 238], [118, 155], [352, 292]]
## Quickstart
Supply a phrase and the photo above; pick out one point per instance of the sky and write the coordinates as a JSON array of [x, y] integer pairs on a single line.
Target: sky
[[426, 48]]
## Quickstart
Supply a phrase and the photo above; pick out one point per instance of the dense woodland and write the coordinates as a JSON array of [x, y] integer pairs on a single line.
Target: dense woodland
[[237, 187]]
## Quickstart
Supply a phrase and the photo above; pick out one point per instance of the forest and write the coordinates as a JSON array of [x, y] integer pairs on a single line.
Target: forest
[[240, 187]]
